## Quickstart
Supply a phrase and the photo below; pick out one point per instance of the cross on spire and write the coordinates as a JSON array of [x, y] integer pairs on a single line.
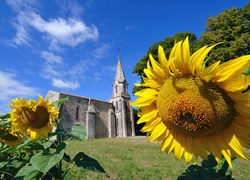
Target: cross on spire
[[118, 50]]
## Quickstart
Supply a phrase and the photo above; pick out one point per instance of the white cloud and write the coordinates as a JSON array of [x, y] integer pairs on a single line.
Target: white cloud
[[51, 58], [101, 51], [19, 5], [53, 66], [79, 69], [12, 88], [69, 32], [50, 71], [55, 70], [58, 32], [65, 84], [71, 7], [22, 36]]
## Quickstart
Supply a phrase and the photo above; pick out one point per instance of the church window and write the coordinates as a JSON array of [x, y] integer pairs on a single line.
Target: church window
[[116, 105], [77, 112], [116, 89]]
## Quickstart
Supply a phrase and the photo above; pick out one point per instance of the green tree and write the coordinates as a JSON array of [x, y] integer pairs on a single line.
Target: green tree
[[167, 45], [232, 28], [138, 127]]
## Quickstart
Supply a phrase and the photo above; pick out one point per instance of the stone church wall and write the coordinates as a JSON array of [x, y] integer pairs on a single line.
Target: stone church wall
[[73, 111], [102, 118], [97, 116]]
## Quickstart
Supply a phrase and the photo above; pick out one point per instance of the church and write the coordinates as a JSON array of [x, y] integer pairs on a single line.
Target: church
[[100, 118]]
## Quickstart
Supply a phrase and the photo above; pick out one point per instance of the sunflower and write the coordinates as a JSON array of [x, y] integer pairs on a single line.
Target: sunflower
[[196, 110], [35, 118], [10, 137]]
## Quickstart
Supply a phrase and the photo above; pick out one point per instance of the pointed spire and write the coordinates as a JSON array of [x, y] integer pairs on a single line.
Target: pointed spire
[[120, 77]]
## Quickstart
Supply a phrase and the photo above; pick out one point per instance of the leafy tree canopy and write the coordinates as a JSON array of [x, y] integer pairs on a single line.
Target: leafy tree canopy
[[231, 27], [167, 45]]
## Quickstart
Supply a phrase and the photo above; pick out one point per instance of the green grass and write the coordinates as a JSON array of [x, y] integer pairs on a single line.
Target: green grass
[[134, 158]]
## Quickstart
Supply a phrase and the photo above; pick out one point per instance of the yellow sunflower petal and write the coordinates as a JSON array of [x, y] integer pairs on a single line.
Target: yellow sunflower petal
[[34, 118], [232, 68], [179, 147], [148, 116], [146, 110], [236, 84], [240, 98], [180, 62], [157, 67], [243, 110], [158, 131], [145, 97], [153, 74], [196, 60], [200, 149], [227, 157], [162, 59], [172, 145], [235, 144], [207, 73], [188, 153], [195, 110], [162, 136], [150, 125], [167, 141], [151, 83]]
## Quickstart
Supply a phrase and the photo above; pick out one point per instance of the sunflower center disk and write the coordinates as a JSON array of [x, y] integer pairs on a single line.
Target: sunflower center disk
[[8, 136], [194, 107], [35, 119]]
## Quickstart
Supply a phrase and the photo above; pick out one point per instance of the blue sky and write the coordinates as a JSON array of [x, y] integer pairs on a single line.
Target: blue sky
[[71, 46]]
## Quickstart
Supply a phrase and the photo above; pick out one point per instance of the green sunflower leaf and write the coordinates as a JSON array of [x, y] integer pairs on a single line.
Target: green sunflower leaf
[[61, 101], [247, 71], [77, 132], [208, 170], [44, 161], [27, 173], [5, 116]]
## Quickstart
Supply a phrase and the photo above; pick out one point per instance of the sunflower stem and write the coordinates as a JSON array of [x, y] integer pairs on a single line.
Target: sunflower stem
[[59, 139]]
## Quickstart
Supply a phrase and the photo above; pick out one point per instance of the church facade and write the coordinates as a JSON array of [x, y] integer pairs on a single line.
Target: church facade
[[100, 118]]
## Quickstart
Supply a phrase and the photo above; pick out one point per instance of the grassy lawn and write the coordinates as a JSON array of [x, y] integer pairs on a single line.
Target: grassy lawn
[[134, 158]]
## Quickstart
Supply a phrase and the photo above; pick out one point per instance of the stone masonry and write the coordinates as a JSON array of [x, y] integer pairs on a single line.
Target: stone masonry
[[101, 119]]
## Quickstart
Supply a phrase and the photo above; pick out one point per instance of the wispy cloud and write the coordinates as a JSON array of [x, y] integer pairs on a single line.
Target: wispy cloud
[[101, 51], [65, 30], [73, 8], [52, 67], [58, 31], [65, 84], [61, 31], [55, 70], [12, 88], [51, 58]]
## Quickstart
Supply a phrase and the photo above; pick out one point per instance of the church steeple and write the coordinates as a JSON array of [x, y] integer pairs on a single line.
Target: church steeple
[[121, 102], [120, 77], [120, 84]]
